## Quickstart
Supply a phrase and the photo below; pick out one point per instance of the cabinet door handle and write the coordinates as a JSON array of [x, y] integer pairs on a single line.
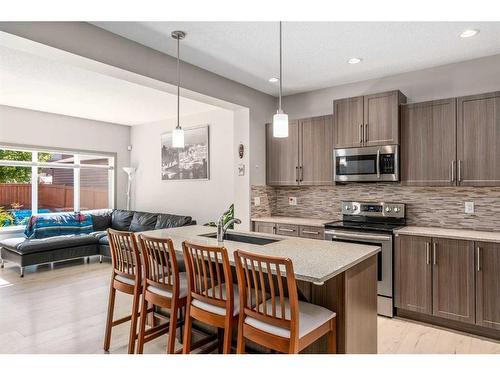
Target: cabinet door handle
[[478, 259], [453, 171], [297, 174], [361, 133], [434, 254], [286, 230], [310, 232], [459, 170], [427, 253], [378, 163], [367, 132]]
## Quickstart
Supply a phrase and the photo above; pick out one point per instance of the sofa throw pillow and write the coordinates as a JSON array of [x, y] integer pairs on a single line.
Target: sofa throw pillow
[[60, 224]]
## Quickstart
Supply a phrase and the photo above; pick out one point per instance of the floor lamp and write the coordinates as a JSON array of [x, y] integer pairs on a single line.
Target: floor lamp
[[130, 171]]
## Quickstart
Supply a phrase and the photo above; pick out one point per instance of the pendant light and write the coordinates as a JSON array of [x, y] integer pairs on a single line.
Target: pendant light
[[178, 133], [280, 119]]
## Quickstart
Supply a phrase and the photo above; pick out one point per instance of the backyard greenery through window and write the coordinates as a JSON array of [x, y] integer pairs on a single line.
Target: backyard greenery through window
[[42, 181]]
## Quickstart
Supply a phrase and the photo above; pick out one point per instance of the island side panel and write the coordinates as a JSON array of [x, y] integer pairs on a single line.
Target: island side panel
[[361, 307], [353, 296], [331, 296]]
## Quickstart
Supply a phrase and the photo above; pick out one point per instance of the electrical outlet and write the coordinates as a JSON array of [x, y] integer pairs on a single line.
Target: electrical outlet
[[292, 201], [256, 201], [469, 207]]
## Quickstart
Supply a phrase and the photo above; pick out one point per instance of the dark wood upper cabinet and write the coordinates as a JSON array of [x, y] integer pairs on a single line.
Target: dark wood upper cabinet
[[368, 120], [453, 280], [428, 143], [381, 113], [413, 273], [488, 284], [282, 156], [349, 122], [316, 151], [304, 157], [478, 140]]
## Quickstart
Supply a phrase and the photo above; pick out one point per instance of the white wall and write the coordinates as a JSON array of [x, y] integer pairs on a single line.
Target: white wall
[[34, 128], [92, 42], [203, 200], [459, 79]]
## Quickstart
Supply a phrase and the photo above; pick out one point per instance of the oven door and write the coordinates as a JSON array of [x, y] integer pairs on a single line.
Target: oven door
[[384, 263], [377, 163]]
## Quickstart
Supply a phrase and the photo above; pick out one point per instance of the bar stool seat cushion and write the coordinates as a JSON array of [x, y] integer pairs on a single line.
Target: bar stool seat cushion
[[310, 317], [216, 309], [183, 288], [125, 280]]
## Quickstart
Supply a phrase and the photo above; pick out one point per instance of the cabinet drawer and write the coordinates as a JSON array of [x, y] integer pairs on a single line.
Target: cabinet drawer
[[287, 230], [317, 233], [264, 227]]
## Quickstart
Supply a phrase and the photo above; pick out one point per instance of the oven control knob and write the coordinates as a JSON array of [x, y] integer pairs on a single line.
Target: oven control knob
[[347, 207], [388, 209], [396, 209]]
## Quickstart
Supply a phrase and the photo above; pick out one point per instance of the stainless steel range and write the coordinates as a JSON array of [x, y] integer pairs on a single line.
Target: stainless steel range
[[372, 223]]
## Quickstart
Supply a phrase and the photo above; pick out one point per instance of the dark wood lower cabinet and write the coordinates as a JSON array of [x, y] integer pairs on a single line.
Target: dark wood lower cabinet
[[413, 273], [263, 227], [453, 286], [449, 282], [488, 284]]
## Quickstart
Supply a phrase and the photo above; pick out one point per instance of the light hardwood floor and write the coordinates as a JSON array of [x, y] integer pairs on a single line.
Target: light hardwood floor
[[63, 310]]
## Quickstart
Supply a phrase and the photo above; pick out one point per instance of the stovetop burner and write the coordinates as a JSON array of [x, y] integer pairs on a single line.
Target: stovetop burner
[[380, 227]]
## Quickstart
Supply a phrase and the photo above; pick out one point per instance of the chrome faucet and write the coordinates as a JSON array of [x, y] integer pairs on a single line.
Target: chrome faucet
[[222, 229]]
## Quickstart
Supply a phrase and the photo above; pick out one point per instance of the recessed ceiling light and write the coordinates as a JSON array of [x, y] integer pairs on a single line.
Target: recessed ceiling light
[[468, 33], [273, 79], [354, 60]]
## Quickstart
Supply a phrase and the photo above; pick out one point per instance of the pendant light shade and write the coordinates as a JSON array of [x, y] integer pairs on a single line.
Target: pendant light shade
[[178, 132], [280, 125], [280, 119], [178, 137]]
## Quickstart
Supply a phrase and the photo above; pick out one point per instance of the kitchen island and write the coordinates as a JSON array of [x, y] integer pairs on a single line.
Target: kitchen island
[[337, 275]]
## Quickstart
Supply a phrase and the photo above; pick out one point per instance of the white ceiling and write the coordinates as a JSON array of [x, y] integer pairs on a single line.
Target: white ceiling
[[34, 82], [315, 53]]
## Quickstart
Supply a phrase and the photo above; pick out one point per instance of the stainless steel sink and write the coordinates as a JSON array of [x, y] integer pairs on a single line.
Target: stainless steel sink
[[238, 237]]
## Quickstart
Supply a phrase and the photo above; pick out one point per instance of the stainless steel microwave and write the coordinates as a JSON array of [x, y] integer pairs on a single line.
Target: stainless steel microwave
[[366, 164]]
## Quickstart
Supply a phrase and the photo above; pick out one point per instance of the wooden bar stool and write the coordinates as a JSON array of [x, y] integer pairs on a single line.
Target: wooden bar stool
[[212, 297], [164, 286], [126, 278], [281, 323]]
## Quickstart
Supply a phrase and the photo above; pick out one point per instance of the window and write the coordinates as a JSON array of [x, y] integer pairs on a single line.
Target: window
[[42, 181]]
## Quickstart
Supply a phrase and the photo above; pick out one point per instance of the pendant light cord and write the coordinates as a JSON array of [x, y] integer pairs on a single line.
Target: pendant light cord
[[178, 84], [281, 70]]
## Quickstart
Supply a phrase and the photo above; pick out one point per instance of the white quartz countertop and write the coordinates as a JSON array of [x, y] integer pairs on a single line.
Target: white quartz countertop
[[293, 220], [313, 260], [460, 234]]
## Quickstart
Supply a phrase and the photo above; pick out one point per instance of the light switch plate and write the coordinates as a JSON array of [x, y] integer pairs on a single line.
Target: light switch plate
[[469, 207], [256, 201], [292, 201]]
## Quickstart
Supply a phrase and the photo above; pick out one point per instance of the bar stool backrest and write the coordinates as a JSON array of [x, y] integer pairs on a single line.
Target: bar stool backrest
[[125, 255], [265, 278], [209, 275], [160, 263]]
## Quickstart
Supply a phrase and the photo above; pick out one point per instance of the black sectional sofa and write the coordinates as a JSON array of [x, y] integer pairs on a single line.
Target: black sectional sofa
[[28, 252]]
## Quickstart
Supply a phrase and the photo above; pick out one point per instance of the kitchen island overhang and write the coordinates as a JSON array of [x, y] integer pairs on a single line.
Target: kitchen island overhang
[[337, 275]]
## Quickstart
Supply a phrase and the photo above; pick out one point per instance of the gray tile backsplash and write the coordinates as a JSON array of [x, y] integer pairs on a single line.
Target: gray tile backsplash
[[426, 206]]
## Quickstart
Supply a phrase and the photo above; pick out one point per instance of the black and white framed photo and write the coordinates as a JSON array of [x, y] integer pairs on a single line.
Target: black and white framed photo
[[189, 163]]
